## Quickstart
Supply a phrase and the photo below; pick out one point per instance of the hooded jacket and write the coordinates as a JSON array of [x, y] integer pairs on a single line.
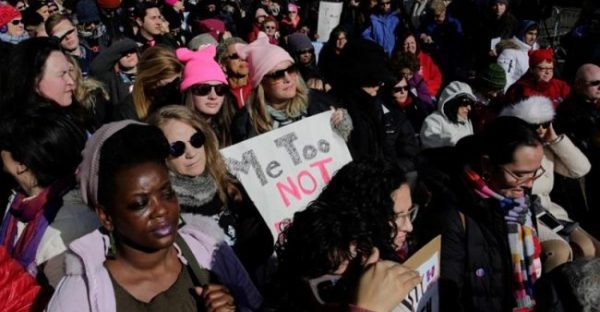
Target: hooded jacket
[[437, 129], [88, 287], [383, 30]]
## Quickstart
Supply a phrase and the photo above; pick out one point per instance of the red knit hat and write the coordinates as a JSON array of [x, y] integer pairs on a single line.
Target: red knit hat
[[7, 14], [109, 4], [538, 56]]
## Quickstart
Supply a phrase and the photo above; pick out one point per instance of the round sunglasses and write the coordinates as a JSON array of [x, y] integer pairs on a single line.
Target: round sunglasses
[[205, 89], [177, 148]]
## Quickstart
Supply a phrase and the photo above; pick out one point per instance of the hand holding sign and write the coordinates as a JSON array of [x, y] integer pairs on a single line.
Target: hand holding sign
[[383, 286]]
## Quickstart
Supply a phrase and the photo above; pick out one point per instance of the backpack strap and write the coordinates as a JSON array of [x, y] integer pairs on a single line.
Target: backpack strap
[[200, 275]]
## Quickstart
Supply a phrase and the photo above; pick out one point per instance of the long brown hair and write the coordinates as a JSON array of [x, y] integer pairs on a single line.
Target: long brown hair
[[261, 120], [156, 64], [222, 119], [214, 161]]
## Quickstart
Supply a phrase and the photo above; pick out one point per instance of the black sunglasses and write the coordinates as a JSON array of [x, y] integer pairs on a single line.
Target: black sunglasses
[[594, 83], [177, 148], [544, 125], [204, 89], [233, 56], [279, 74], [400, 89], [16, 22]]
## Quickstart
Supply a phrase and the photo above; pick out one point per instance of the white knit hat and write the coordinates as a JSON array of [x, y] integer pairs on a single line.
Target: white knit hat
[[533, 110]]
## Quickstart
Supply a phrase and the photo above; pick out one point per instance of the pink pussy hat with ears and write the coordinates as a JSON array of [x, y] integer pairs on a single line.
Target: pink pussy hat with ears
[[200, 66], [262, 57]]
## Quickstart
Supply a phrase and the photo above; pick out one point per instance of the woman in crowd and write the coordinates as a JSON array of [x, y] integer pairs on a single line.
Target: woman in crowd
[[429, 70], [562, 156], [142, 258], [539, 80], [513, 56], [401, 95], [280, 96], [39, 73], [91, 94], [329, 57], [271, 27], [156, 84], [483, 208], [451, 121], [363, 215], [12, 29], [407, 65], [206, 91], [41, 149], [204, 187]]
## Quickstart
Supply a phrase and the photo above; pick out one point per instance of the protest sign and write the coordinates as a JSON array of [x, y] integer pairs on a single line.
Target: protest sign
[[424, 297], [284, 169], [329, 18]]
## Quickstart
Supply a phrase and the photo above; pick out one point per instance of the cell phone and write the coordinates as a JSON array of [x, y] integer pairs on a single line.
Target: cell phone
[[550, 221]]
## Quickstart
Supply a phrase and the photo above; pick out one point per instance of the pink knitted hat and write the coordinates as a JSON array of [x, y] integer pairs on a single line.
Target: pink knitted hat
[[260, 12], [200, 66], [7, 14], [261, 56], [171, 2]]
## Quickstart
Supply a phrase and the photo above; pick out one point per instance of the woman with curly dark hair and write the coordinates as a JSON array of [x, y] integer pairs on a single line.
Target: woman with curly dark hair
[[366, 210]]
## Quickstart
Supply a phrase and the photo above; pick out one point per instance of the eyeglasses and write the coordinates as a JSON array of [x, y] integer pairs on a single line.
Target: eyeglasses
[[177, 148], [323, 287], [269, 27], [411, 214], [520, 179], [545, 69], [400, 89], [16, 22], [233, 56], [279, 74], [544, 125], [205, 89], [465, 101], [594, 83]]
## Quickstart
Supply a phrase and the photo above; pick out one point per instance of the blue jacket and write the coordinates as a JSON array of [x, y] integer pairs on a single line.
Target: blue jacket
[[383, 30]]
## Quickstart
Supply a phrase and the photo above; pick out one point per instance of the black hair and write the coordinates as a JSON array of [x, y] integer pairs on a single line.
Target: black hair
[[402, 59], [141, 9], [133, 145], [365, 186], [451, 107], [44, 139], [503, 135], [25, 66]]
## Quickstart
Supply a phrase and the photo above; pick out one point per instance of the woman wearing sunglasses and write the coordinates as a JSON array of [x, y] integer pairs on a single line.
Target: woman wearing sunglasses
[[279, 95], [563, 157], [451, 121], [204, 187], [365, 211], [206, 91], [143, 258], [482, 205], [12, 29], [401, 96]]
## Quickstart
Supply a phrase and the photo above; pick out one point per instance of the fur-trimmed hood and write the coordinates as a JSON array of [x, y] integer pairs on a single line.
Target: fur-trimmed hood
[[533, 110]]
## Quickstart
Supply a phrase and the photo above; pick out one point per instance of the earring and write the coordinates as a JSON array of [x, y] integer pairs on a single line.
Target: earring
[[112, 249]]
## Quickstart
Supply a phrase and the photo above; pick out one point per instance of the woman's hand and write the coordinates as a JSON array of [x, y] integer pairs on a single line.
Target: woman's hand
[[550, 136], [384, 284], [216, 298], [337, 116]]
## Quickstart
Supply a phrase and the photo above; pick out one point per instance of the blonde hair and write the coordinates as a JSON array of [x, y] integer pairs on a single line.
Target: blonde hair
[[156, 64], [437, 7], [261, 120], [222, 119], [214, 161], [84, 87]]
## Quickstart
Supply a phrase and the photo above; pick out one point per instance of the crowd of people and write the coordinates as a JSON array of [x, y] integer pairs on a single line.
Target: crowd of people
[[461, 120]]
